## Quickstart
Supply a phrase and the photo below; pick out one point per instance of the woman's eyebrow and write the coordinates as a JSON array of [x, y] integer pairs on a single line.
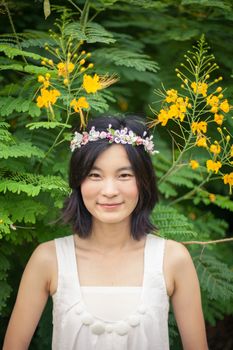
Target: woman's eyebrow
[[129, 168], [125, 168]]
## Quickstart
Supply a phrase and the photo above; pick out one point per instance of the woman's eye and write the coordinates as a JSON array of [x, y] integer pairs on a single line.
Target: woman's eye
[[126, 175], [94, 176]]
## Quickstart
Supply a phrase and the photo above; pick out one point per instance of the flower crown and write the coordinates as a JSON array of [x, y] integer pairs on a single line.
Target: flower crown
[[123, 136]]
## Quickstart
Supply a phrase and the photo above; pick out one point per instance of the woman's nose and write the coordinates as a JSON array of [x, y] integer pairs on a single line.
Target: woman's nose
[[110, 188]]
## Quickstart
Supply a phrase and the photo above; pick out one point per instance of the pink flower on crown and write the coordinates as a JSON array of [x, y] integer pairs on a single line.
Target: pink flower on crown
[[85, 138], [103, 135], [139, 140]]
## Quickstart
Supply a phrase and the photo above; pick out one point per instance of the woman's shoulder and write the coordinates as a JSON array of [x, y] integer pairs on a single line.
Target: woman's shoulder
[[177, 253], [177, 258], [44, 256]]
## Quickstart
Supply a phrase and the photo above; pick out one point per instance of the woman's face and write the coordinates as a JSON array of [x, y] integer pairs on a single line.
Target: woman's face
[[110, 191]]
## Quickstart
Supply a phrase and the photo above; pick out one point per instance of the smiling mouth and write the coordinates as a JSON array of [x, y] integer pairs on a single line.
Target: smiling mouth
[[109, 205]]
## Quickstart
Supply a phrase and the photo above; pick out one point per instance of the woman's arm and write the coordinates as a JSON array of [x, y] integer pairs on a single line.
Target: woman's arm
[[31, 299], [186, 298]]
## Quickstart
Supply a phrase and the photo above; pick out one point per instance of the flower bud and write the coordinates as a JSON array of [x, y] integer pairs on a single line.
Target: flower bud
[[90, 65], [41, 79]]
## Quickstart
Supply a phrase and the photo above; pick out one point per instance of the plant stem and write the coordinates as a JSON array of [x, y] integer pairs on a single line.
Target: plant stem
[[190, 193], [13, 28], [210, 242]]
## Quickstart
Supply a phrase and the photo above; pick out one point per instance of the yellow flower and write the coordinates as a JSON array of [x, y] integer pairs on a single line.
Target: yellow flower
[[171, 95], [212, 101], [64, 68], [199, 88], [228, 179], [215, 148], [232, 151], [79, 104], [213, 166], [199, 127], [82, 62], [41, 79], [212, 197], [214, 109], [201, 142], [218, 118], [194, 164], [173, 111], [163, 117], [91, 85], [47, 98], [224, 106]]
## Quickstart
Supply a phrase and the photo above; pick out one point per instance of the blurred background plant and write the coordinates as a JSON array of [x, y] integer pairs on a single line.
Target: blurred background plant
[[56, 73]]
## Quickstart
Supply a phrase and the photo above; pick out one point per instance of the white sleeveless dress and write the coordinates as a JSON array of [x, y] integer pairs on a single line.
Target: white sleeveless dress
[[75, 327]]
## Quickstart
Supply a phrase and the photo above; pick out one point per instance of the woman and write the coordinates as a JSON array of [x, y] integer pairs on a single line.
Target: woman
[[111, 281]]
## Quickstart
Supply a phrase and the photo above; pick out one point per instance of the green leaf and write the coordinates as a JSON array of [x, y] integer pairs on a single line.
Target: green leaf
[[47, 9], [92, 33], [5, 291], [215, 277], [12, 52], [210, 3], [24, 210], [22, 149], [121, 57], [47, 125], [172, 224]]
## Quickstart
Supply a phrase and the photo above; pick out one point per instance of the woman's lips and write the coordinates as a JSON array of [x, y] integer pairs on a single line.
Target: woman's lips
[[109, 205]]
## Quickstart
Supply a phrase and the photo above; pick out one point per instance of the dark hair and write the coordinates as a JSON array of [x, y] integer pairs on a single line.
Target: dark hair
[[81, 163]]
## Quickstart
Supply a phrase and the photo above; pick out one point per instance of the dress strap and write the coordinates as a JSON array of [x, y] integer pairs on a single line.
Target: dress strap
[[154, 287], [154, 254], [66, 260]]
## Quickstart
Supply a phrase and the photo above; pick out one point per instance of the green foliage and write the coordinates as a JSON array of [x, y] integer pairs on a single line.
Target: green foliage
[[5, 289], [172, 224], [123, 57], [215, 277], [91, 33]]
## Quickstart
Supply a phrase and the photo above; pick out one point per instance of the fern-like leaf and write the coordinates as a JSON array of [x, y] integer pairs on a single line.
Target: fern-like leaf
[[22, 149], [121, 57], [172, 224], [47, 125], [215, 277], [92, 33], [11, 52]]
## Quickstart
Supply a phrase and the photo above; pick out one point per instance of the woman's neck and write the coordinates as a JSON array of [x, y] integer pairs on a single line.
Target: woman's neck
[[110, 238]]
